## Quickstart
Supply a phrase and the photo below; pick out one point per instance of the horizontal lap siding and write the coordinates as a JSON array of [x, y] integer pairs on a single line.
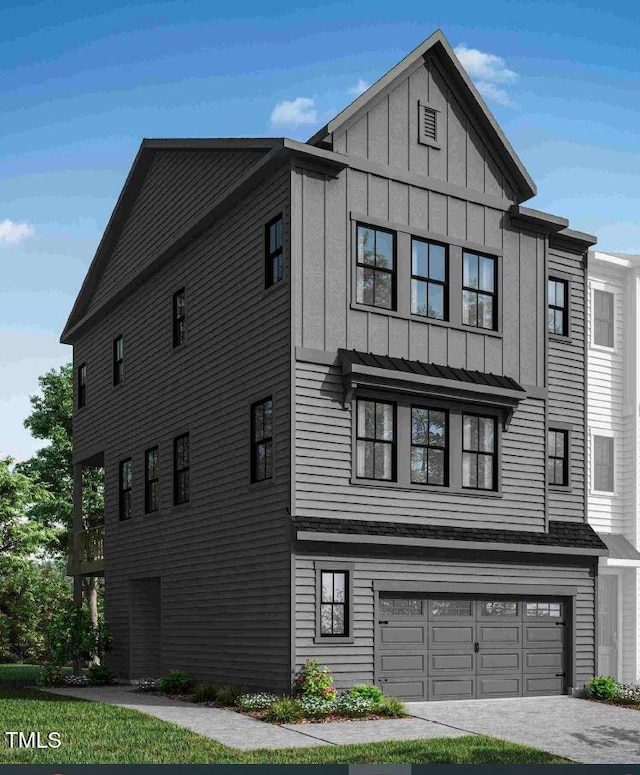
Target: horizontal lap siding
[[224, 558], [567, 382], [354, 663], [180, 187], [323, 467]]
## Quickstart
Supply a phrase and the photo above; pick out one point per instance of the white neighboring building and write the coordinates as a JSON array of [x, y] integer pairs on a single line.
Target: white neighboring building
[[614, 455]]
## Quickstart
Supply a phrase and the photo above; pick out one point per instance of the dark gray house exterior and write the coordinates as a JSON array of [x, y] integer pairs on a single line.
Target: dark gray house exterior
[[338, 391]]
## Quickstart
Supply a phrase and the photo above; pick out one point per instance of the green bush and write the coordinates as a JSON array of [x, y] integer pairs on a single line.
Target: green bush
[[100, 675], [51, 674], [363, 690], [256, 701], [205, 691], [602, 688], [316, 707], [314, 681], [392, 707], [175, 682], [353, 706], [285, 710], [228, 695]]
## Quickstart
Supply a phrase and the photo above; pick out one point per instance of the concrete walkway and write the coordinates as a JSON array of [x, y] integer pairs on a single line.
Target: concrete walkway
[[586, 732], [583, 731]]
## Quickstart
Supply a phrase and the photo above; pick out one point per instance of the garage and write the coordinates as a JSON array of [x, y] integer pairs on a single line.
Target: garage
[[449, 647]]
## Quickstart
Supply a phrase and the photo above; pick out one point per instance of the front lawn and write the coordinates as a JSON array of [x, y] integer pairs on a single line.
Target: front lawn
[[93, 733], [19, 675]]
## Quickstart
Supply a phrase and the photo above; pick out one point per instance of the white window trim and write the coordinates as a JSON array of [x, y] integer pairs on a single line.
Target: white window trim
[[604, 288]]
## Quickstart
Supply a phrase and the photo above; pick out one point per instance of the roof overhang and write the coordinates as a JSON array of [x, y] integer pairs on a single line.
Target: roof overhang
[[398, 375], [622, 554]]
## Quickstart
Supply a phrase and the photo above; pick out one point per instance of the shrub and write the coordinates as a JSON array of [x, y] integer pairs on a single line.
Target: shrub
[[228, 695], [602, 688], [51, 674], [316, 707], [256, 701], [144, 685], [284, 711], [100, 675], [71, 635], [314, 681], [392, 707], [353, 706], [205, 691], [363, 690], [628, 694], [76, 680], [175, 682]]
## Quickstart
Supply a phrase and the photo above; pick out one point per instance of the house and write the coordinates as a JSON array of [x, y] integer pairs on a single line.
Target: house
[[614, 445], [338, 391]]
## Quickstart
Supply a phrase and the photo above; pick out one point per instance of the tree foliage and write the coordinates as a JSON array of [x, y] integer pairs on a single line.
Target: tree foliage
[[18, 497]]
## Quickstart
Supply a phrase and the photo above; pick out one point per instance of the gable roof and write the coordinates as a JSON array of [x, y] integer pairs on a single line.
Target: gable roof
[[438, 44]]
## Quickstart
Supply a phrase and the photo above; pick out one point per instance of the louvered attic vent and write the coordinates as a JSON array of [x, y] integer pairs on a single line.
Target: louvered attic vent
[[428, 125]]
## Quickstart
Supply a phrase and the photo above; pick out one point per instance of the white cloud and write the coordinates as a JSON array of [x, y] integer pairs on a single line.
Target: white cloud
[[295, 113], [488, 72], [12, 232], [359, 88]]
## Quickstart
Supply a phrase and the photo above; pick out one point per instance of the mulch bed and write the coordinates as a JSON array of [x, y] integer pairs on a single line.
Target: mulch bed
[[613, 702]]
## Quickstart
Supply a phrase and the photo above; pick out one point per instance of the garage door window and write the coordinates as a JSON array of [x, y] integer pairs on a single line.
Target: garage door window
[[449, 608], [542, 610], [499, 608], [401, 607]]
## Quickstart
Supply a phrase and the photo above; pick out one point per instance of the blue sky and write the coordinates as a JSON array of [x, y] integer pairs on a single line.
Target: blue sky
[[82, 84]]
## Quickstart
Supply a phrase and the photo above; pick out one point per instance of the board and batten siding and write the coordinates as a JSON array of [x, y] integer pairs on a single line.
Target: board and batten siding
[[327, 318], [567, 383], [387, 131], [323, 485], [179, 188], [223, 559], [353, 663]]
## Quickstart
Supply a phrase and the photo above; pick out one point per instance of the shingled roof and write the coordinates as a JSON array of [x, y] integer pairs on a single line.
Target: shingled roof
[[569, 535]]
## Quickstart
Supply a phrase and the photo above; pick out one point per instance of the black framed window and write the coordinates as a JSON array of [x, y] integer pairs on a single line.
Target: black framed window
[[125, 487], [603, 308], [151, 480], [428, 279], [262, 440], [118, 360], [479, 452], [179, 317], [334, 613], [429, 452], [376, 267], [558, 457], [82, 385], [375, 440], [274, 258], [603, 468], [558, 313], [479, 297], [181, 469]]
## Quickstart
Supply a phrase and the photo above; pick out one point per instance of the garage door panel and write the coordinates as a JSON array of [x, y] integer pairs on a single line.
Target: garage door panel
[[543, 661], [543, 635], [442, 635], [499, 686], [500, 661], [450, 663], [452, 688], [396, 635], [537, 684], [498, 634], [408, 689], [402, 663]]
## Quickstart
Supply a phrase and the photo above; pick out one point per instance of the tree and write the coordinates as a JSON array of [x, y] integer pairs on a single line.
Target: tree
[[19, 536], [51, 468]]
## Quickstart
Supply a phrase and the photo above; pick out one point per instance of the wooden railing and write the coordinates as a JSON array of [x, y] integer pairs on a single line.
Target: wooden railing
[[86, 551]]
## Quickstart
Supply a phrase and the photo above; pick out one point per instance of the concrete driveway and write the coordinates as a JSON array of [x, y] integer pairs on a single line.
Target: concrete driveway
[[587, 732]]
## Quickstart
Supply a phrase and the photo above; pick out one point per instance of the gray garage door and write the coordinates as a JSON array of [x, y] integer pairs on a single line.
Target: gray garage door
[[455, 647]]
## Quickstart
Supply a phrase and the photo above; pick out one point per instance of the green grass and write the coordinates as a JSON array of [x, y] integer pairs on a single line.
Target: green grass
[[93, 733], [18, 675]]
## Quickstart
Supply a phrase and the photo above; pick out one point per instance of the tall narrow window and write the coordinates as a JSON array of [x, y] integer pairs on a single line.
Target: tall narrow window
[[118, 360], [375, 440], [558, 457], [333, 603], [262, 440], [603, 307], [82, 385], [479, 291], [126, 476], [478, 452], [151, 480], [428, 446], [557, 315], [179, 317], [375, 268], [428, 279], [603, 472], [274, 266], [181, 468]]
